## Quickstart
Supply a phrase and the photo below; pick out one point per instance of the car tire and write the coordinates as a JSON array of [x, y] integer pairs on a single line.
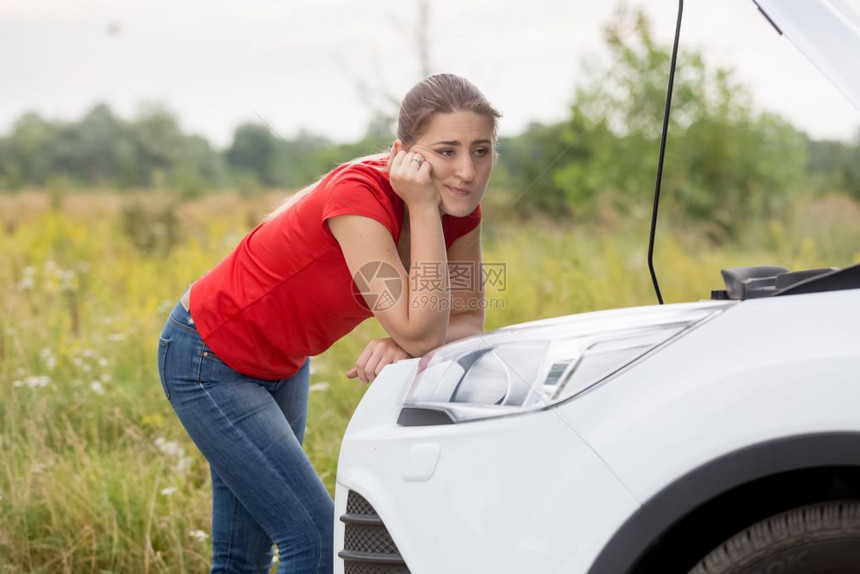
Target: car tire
[[818, 538]]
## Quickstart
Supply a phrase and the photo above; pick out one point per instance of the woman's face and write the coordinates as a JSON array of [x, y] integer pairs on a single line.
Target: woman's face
[[459, 148]]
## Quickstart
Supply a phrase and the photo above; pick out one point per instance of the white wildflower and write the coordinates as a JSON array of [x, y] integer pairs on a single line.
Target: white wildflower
[[169, 447], [198, 535], [37, 381], [183, 465], [103, 362], [116, 337], [105, 378], [168, 491], [28, 280], [51, 363], [318, 387], [97, 388], [68, 280], [17, 384], [37, 468]]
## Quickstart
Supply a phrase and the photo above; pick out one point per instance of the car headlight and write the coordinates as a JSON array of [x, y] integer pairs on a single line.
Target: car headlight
[[535, 365]]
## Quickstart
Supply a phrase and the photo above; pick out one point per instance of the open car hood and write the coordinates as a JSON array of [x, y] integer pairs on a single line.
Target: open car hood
[[827, 32]]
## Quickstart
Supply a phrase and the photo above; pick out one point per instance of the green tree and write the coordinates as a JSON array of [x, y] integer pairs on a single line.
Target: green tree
[[851, 171], [159, 152], [102, 148], [835, 165], [526, 165], [158, 142], [198, 167], [724, 161], [28, 149], [274, 162], [296, 161], [252, 151], [86, 151]]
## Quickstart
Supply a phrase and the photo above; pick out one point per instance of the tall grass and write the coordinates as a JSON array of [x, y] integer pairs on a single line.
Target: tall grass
[[96, 473]]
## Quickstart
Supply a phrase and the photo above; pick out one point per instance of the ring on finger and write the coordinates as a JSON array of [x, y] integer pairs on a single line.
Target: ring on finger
[[418, 159]]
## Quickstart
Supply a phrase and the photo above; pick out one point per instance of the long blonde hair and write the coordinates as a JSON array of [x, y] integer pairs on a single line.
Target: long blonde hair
[[438, 94]]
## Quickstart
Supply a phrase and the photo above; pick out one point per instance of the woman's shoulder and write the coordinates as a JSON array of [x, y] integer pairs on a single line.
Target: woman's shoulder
[[361, 187], [358, 177]]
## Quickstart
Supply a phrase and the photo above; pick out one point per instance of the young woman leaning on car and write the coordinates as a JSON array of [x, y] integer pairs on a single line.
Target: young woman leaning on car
[[233, 355]]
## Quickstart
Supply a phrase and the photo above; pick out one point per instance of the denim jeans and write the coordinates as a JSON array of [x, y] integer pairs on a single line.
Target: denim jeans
[[264, 489]]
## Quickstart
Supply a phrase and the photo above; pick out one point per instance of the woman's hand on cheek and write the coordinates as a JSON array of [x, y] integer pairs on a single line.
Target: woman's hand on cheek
[[376, 355], [409, 173]]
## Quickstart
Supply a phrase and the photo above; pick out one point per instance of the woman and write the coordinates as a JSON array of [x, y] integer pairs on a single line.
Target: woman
[[233, 356]]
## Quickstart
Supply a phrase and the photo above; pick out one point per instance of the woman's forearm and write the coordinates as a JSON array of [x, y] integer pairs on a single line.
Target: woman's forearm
[[428, 298]]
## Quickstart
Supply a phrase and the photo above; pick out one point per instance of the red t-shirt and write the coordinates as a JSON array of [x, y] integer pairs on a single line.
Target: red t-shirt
[[285, 292]]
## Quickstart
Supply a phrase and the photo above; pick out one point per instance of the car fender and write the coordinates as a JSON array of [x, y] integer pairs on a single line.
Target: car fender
[[716, 477]]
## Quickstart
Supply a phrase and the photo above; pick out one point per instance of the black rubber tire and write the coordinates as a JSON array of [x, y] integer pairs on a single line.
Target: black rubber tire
[[815, 539]]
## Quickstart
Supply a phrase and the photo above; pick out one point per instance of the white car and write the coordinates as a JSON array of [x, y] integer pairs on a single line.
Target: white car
[[720, 436]]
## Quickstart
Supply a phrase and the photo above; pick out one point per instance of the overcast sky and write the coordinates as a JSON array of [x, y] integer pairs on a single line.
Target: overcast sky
[[217, 64]]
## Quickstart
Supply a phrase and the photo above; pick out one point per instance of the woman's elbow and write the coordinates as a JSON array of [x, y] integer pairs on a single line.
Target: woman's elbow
[[419, 346]]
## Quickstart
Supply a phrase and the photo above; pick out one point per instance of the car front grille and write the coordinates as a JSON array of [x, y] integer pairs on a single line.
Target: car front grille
[[368, 547]]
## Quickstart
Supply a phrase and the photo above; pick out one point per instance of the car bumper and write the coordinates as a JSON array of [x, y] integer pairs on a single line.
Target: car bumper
[[517, 494]]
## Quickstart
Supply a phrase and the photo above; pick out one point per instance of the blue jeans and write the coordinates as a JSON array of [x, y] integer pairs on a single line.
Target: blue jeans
[[264, 489]]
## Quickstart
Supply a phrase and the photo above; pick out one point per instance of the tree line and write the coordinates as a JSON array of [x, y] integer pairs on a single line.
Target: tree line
[[724, 158], [152, 151]]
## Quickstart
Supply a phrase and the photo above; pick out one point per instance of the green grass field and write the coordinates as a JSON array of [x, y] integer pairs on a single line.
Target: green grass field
[[96, 473]]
